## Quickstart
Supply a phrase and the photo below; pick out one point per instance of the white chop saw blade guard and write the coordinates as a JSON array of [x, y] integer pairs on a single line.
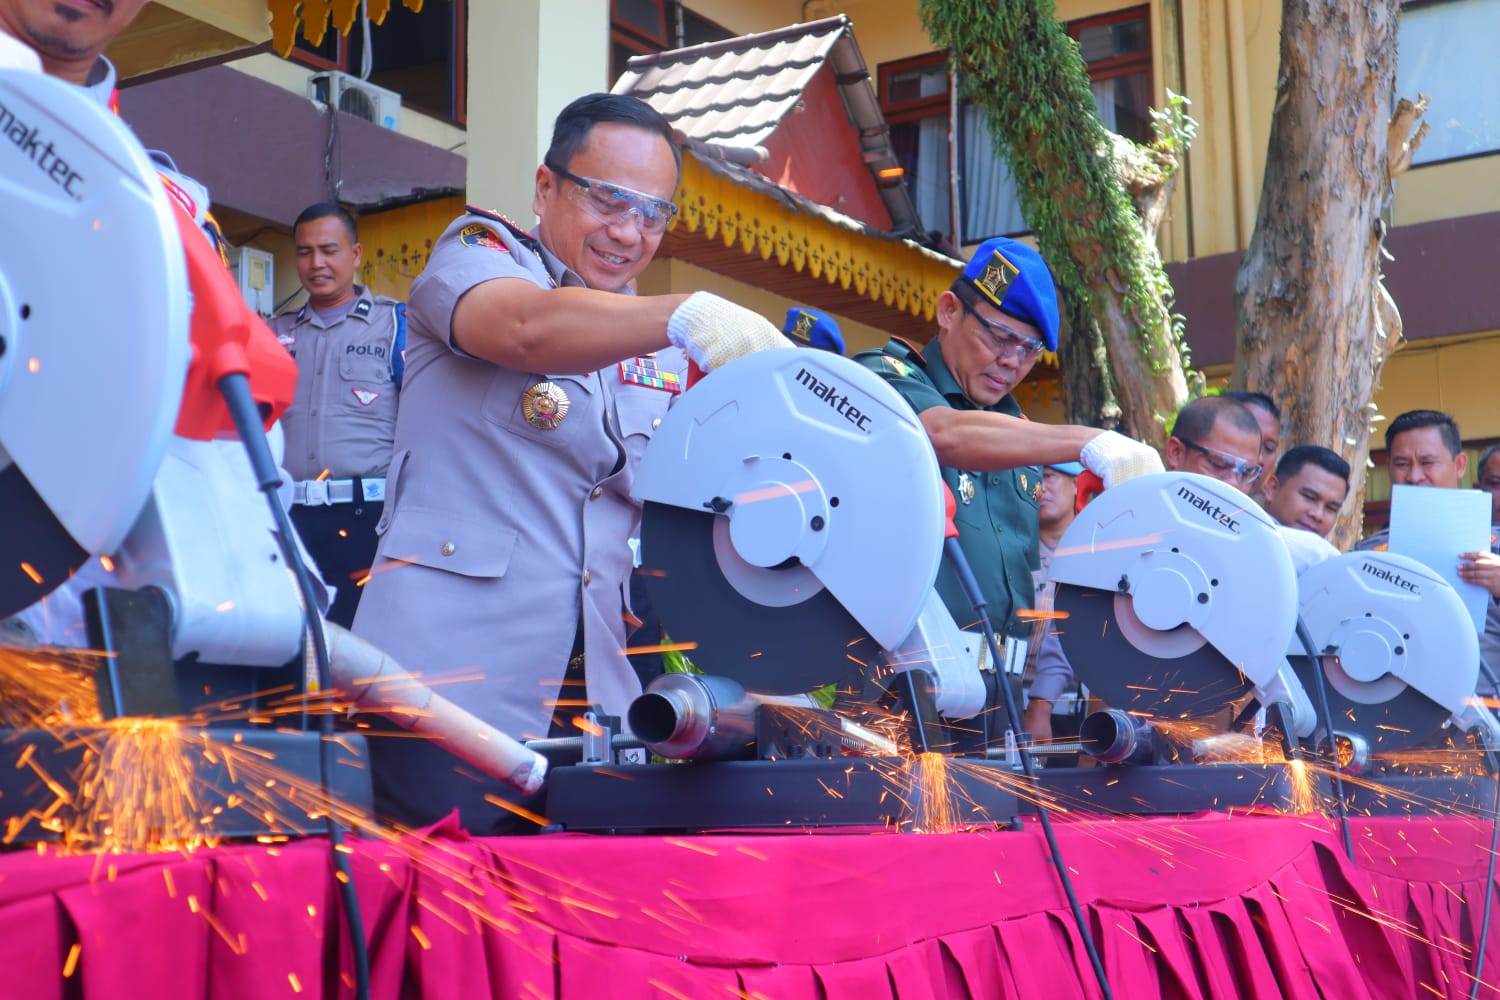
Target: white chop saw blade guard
[[1188, 550], [820, 460], [93, 309], [1395, 626]]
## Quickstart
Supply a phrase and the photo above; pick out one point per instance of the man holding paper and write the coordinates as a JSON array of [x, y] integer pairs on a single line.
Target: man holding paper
[[1423, 448]]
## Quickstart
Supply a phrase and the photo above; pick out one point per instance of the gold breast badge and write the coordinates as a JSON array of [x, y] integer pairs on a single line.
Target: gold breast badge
[[544, 405], [965, 488]]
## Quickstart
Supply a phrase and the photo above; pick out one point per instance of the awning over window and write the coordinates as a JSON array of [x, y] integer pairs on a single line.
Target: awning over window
[[736, 223], [314, 17]]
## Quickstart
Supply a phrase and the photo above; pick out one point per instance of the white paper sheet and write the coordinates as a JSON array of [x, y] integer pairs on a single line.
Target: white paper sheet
[[1433, 526]]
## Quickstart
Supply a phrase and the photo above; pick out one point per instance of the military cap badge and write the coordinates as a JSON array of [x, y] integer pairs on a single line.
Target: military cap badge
[[996, 277]]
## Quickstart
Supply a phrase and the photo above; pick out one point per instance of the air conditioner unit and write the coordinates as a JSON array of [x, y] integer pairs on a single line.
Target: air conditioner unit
[[255, 270], [357, 97]]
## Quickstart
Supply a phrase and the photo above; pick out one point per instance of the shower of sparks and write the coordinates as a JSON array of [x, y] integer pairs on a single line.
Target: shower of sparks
[[932, 794]]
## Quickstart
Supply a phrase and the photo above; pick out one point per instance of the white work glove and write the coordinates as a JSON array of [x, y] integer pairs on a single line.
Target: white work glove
[[714, 331], [1115, 458]]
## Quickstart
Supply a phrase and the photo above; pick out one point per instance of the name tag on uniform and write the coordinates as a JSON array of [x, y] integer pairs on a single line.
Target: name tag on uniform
[[643, 371]]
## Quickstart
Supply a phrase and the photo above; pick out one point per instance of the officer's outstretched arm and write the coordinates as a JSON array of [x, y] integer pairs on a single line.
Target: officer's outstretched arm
[[516, 324], [981, 440]]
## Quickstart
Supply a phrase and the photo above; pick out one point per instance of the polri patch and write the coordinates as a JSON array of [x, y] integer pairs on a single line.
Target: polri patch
[[643, 371], [365, 396], [475, 235]]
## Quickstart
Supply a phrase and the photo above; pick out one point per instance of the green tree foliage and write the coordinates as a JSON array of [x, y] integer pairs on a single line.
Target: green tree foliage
[[1084, 191]]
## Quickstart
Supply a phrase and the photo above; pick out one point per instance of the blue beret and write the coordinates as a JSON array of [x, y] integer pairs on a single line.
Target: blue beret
[[1014, 279], [1068, 468], [810, 328]]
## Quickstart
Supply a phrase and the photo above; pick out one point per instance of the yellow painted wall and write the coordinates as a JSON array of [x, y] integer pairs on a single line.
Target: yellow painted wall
[[1447, 190], [1457, 376]]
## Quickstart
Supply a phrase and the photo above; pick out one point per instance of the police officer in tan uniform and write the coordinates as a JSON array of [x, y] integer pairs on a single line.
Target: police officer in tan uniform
[[534, 379], [348, 345]]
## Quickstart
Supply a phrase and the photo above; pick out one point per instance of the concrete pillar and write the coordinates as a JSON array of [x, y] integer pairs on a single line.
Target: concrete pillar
[[527, 60]]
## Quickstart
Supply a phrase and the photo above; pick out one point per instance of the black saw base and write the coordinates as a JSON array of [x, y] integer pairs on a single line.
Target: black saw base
[[880, 791], [243, 782]]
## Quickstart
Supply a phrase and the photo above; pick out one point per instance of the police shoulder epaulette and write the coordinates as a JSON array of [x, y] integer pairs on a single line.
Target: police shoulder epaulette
[[911, 352], [516, 229]]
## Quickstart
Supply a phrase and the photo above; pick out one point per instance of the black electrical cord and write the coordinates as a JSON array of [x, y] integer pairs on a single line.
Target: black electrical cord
[[235, 388], [1489, 879], [976, 597], [1315, 662]]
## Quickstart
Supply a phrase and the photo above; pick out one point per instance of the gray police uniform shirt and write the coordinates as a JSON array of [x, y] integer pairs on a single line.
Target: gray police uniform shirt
[[343, 414], [1489, 639], [501, 534]]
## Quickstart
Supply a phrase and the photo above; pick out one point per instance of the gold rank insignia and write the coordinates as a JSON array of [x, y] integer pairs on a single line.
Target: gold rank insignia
[[896, 365], [802, 329], [1036, 493], [996, 277], [965, 488], [544, 405]]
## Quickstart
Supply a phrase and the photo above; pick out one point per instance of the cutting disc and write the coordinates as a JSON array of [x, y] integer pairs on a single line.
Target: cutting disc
[[802, 641], [93, 333], [1399, 721], [1165, 675]]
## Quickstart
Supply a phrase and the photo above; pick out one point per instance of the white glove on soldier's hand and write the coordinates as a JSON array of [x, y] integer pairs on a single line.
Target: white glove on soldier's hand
[[714, 331], [1115, 458]]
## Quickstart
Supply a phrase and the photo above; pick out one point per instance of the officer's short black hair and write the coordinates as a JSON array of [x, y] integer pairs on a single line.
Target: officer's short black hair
[[1259, 399], [1414, 420], [571, 130], [329, 210], [1489, 453], [1311, 454], [1196, 420]]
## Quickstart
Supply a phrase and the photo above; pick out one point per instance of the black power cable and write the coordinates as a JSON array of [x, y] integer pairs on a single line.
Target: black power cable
[[976, 597], [235, 388], [1489, 879], [1315, 661]]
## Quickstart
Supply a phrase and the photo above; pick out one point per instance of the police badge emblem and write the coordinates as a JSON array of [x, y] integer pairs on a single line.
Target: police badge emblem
[[544, 405], [476, 235], [965, 488]]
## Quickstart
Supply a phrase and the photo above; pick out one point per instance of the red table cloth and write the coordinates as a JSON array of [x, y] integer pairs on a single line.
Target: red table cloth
[[1208, 906]]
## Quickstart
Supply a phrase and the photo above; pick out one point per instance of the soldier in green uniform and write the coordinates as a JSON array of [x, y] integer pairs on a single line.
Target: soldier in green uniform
[[993, 323]]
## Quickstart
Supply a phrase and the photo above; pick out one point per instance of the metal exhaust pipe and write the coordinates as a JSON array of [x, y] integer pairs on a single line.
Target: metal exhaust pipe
[[1114, 737], [695, 717]]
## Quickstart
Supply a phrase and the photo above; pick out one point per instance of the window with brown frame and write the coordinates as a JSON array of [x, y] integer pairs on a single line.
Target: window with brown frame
[[645, 27], [914, 95], [421, 56]]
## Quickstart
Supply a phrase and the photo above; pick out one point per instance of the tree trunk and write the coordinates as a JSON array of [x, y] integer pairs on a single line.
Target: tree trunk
[[1083, 367], [1313, 323], [1020, 66]]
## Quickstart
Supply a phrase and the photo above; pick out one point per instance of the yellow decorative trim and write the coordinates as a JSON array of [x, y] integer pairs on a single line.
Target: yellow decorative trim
[[313, 17], [900, 275]]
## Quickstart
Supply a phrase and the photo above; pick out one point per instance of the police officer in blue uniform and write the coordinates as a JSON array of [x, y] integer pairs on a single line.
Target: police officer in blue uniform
[[348, 344]]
